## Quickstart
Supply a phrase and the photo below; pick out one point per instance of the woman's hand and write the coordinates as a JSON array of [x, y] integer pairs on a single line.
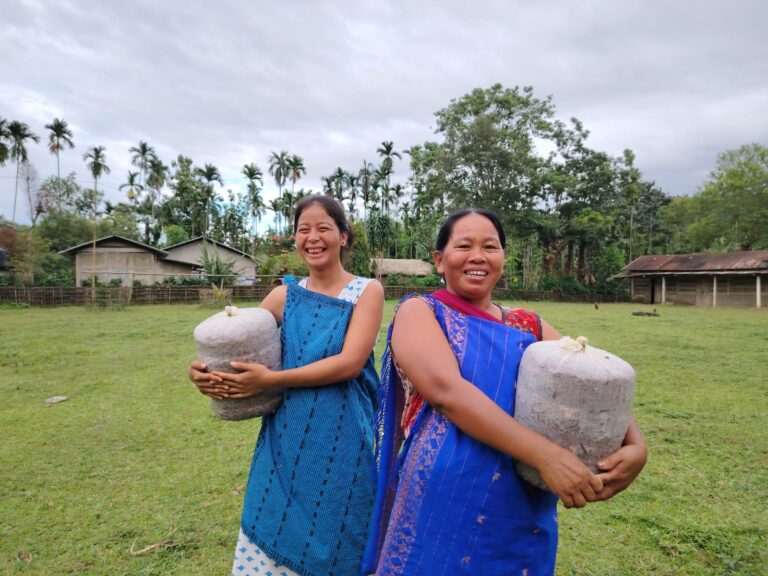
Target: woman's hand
[[569, 478], [621, 468], [249, 381], [206, 383]]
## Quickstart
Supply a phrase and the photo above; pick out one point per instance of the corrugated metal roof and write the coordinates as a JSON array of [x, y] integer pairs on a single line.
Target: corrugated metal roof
[[745, 261]]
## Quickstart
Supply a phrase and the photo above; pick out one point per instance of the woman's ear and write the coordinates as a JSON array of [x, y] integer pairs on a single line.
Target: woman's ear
[[344, 238], [437, 258]]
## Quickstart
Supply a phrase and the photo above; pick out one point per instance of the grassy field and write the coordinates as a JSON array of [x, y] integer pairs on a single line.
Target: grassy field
[[134, 475]]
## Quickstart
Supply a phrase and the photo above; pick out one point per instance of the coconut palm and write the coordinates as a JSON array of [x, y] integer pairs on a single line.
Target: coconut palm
[[5, 137], [208, 175], [156, 178], [350, 183], [278, 169], [255, 178], [296, 168], [141, 157], [276, 205], [365, 180], [18, 134], [60, 136], [96, 160], [134, 188]]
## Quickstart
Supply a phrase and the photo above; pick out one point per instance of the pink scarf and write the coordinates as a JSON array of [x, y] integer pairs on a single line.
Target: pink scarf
[[461, 305]]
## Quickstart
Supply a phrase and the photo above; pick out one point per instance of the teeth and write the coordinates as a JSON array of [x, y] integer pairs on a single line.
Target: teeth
[[477, 273]]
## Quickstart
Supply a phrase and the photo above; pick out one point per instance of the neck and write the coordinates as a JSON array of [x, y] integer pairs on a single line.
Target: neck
[[485, 303], [327, 277]]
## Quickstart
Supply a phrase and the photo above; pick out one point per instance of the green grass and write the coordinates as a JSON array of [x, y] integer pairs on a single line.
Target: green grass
[[136, 458]]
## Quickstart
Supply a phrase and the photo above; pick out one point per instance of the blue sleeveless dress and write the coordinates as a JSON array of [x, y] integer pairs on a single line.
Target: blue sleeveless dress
[[310, 490]]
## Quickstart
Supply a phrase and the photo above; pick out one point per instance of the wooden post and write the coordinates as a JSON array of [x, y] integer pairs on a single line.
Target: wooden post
[[714, 291], [663, 289], [759, 291]]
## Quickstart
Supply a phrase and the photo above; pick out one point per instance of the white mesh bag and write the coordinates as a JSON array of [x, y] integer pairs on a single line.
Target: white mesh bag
[[578, 396], [241, 335]]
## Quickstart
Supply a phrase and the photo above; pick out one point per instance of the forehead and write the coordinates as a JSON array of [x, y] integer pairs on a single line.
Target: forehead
[[315, 213], [474, 226]]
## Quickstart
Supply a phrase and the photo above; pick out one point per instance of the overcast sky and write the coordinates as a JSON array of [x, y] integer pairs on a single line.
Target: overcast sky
[[676, 81]]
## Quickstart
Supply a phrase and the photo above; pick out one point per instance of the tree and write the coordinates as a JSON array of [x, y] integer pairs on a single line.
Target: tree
[[5, 136], [60, 136], [255, 178], [38, 198], [209, 175], [729, 211], [279, 169], [141, 156], [296, 168], [18, 134], [96, 159]]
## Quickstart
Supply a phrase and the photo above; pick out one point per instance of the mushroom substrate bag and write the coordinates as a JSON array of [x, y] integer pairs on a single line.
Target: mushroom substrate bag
[[578, 396], [241, 335]]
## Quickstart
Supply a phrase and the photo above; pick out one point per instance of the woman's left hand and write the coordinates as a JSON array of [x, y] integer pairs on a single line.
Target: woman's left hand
[[620, 469], [249, 381]]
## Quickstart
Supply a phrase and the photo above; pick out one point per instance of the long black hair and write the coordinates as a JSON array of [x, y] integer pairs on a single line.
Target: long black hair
[[447, 228], [335, 210]]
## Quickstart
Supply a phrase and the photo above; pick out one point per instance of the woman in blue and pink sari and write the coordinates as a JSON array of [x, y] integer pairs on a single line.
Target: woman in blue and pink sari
[[449, 500]]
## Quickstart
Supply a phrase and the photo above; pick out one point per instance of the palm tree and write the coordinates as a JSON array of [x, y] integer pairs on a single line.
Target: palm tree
[[208, 175], [365, 179], [5, 135], [134, 188], [382, 176], [387, 152], [278, 169], [96, 159], [295, 169], [60, 136], [276, 205], [255, 178], [18, 134], [350, 183], [339, 182], [156, 178], [141, 156]]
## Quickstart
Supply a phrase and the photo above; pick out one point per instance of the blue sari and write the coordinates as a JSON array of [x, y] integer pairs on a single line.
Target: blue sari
[[310, 491], [446, 503]]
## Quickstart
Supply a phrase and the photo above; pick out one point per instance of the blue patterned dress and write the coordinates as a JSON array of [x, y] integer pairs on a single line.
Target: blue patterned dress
[[448, 504], [310, 490]]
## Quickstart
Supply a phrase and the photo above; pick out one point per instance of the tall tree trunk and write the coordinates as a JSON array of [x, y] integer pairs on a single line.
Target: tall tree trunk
[[582, 271]]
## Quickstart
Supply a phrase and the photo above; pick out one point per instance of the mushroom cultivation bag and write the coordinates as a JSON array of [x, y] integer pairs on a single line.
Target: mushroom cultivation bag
[[241, 335], [578, 396]]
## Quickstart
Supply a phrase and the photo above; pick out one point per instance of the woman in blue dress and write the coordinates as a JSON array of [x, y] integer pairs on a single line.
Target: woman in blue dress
[[310, 490], [449, 499]]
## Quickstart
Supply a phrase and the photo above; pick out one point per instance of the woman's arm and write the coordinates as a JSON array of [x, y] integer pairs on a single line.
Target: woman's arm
[[358, 343], [424, 354]]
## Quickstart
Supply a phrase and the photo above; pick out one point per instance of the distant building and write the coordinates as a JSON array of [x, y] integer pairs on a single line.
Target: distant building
[[125, 259], [384, 267], [192, 251], [721, 279]]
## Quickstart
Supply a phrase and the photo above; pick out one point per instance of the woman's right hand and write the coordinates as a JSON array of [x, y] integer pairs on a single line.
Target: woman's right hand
[[568, 477], [206, 383]]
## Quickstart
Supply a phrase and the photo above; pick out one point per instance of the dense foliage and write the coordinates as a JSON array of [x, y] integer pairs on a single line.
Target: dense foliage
[[574, 215]]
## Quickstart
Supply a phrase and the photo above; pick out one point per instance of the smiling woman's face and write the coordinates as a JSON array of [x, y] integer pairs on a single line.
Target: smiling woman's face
[[318, 238], [473, 259]]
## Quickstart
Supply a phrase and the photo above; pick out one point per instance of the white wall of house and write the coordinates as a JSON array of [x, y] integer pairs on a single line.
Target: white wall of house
[[193, 252], [126, 262]]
